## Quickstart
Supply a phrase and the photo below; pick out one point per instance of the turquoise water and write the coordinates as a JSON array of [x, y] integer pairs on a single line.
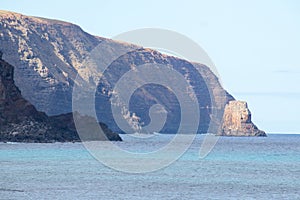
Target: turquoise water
[[237, 168]]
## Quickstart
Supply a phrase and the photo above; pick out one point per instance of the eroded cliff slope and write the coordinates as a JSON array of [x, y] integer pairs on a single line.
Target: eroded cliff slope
[[49, 54], [21, 122]]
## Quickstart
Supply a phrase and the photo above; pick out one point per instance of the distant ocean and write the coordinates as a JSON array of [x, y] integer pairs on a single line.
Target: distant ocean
[[237, 168]]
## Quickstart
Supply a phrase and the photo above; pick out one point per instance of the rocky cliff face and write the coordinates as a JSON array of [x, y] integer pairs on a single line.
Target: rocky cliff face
[[21, 122], [46, 55], [237, 121], [49, 54]]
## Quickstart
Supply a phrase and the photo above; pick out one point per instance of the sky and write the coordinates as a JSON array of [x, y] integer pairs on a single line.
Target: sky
[[255, 44]]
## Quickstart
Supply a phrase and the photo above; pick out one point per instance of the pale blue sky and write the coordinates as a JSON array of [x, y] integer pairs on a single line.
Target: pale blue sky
[[255, 45]]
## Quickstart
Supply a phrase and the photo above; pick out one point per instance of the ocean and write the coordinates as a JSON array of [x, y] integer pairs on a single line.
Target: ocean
[[236, 168]]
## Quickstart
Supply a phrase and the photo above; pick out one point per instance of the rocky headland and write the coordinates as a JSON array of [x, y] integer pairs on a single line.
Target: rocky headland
[[48, 55]]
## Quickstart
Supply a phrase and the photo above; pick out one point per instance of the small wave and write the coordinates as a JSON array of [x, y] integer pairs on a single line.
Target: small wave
[[10, 190]]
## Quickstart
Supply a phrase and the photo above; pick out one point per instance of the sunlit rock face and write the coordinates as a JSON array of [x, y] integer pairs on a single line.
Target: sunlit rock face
[[237, 121]]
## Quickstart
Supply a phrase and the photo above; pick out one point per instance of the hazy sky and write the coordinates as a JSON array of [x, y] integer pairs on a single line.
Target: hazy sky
[[255, 44]]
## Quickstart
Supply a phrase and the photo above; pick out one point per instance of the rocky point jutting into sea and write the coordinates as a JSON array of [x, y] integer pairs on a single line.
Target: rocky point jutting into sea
[[48, 55], [237, 121]]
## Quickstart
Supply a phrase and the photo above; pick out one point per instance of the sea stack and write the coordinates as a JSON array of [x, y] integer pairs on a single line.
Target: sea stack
[[237, 121]]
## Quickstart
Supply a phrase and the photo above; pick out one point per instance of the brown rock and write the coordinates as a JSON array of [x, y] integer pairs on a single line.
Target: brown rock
[[237, 121]]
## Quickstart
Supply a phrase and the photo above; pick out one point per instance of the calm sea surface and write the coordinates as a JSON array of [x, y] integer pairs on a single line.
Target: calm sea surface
[[237, 168]]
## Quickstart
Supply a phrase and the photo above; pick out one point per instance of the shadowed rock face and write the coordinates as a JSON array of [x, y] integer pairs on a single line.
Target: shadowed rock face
[[49, 54], [237, 121], [21, 122]]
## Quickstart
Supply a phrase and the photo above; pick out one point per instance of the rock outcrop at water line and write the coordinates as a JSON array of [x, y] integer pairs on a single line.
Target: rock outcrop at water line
[[237, 121], [21, 122], [49, 54]]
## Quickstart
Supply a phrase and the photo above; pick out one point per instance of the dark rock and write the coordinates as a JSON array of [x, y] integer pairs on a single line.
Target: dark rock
[[66, 122], [21, 122]]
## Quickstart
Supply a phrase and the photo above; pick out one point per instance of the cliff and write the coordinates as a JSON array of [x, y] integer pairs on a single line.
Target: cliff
[[49, 54], [21, 122], [237, 121]]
